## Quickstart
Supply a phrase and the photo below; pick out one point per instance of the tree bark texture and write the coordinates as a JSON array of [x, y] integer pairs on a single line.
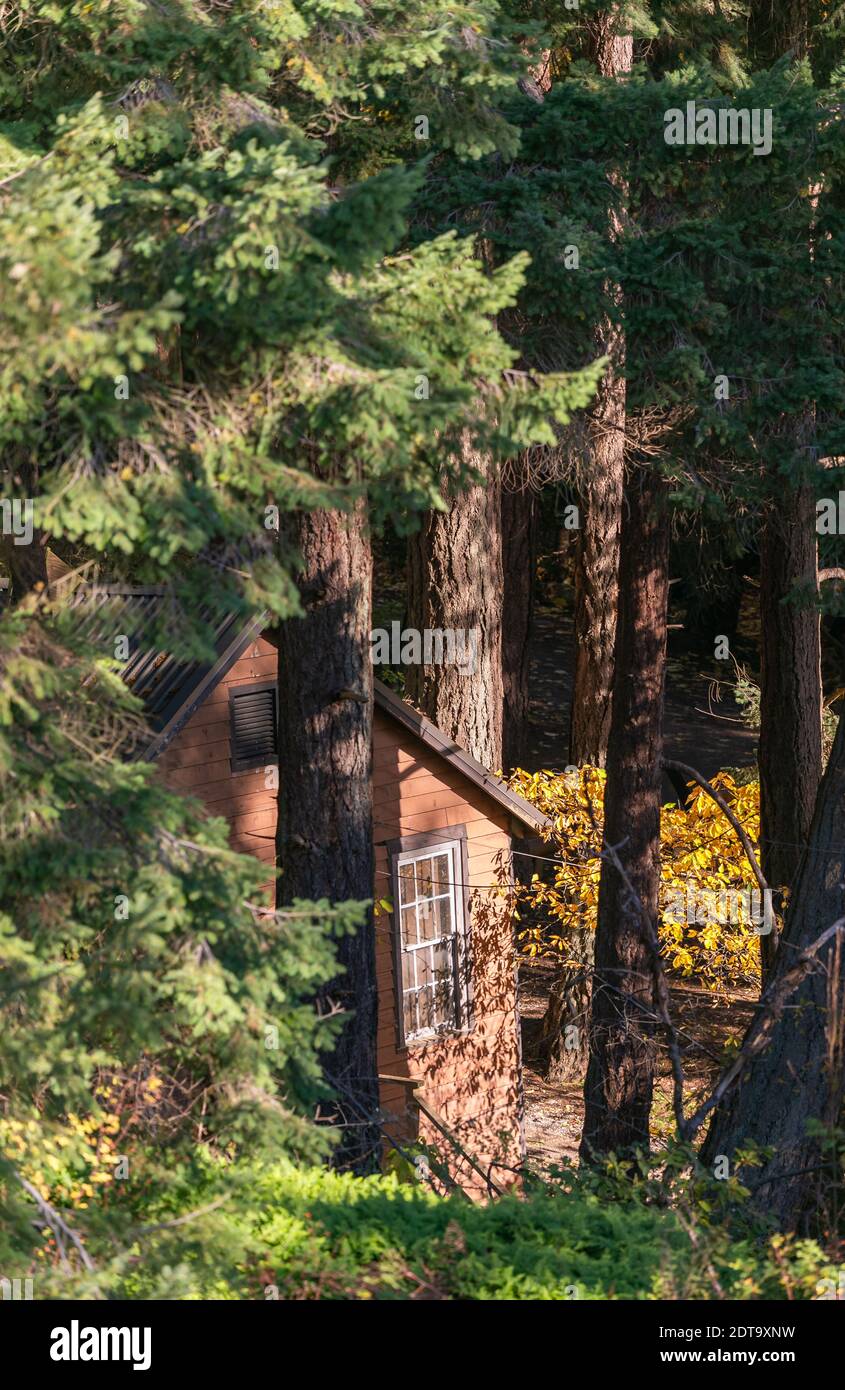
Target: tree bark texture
[[799, 1076], [325, 825], [566, 1022], [519, 547], [620, 1071], [597, 557], [790, 749], [597, 571], [776, 27], [455, 582]]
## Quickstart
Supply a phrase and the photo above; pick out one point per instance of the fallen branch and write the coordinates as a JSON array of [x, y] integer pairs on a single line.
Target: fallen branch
[[57, 1225]]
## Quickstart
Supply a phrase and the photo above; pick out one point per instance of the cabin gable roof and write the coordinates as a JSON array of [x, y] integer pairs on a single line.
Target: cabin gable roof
[[173, 690]]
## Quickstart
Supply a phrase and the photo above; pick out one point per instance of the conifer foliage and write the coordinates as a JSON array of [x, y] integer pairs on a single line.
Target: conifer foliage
[[278, 276], [209, 321]]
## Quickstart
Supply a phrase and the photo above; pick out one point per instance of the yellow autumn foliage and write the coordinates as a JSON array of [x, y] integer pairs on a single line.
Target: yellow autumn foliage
[[74, 1159], [710, 907], [77, 1155]]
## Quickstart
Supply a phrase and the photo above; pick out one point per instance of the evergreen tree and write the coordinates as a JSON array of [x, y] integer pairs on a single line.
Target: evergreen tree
[[716, 291], [210, 331]]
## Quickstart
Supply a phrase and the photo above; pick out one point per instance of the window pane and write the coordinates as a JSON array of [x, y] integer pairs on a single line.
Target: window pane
[[409, 974], [411, 1023], [443, 966], [409, 926], [441, 873], [436, 1000], [443, 917], [427, 1009], [427, 922], [406, 883], [424, 878], [445, 1005], [435, 964]]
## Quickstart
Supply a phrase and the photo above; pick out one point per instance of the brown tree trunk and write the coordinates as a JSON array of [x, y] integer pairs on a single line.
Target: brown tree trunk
[[566, 1022], [325, 827], [596, 582], [776, 27], [597, 559], [519, 543], [596, 575], [455, 585], [612, 52], [799, 1076], [620, 1071], [790, 750]]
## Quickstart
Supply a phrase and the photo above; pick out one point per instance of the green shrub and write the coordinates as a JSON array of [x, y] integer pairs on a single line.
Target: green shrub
[[307, 1233]]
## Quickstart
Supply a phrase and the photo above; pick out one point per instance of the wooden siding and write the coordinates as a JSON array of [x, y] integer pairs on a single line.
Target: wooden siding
[[473, 1079], [198, 762]]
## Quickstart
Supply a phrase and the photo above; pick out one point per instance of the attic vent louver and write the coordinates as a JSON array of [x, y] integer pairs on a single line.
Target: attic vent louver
[[252, 710]]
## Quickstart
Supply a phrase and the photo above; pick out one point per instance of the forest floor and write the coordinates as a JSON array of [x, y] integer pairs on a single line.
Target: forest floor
[[554, 1111]]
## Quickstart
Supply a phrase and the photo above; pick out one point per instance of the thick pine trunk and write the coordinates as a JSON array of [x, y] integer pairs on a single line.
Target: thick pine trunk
[[566, 1022], [790, 751], [519, 541], [790, 681], [799, 1076], [455, 582], [612, 52], [325, 827], [776, 27], [597, 570], [595, 598], [620, 1071], [597, 558]]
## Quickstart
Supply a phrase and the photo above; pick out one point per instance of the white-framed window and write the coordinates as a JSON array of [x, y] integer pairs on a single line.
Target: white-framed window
[[430, 913]]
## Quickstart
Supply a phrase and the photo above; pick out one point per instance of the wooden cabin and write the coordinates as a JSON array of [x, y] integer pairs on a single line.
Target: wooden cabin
[[444, 831]]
